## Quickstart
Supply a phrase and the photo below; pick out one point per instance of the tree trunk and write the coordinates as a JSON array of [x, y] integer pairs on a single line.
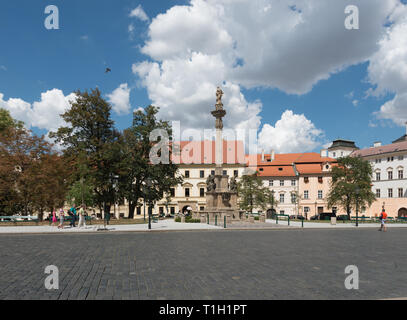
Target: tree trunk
[[132, 207]]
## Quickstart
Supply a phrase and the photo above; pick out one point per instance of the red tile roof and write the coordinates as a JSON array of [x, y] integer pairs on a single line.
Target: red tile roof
[[394, 147]]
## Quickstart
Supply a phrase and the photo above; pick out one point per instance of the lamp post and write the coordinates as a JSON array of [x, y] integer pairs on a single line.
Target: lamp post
[[146, 186], [357, 192], [272, 202]]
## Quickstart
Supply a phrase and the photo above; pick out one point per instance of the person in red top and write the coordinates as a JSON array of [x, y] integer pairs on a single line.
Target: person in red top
[[383, 217]]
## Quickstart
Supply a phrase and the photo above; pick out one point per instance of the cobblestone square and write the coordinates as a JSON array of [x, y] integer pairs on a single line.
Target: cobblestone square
[[261, 264]]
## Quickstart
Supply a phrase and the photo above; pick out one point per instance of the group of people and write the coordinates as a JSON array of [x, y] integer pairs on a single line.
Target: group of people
[[74, 213]]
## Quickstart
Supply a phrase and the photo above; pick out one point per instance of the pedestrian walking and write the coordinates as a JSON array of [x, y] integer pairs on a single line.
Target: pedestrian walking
[[82, 217], [383, 217], [73, 215], [61, 218], [54, 217]]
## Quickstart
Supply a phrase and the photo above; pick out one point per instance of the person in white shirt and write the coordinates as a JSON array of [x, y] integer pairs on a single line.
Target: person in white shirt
[[82, 217]]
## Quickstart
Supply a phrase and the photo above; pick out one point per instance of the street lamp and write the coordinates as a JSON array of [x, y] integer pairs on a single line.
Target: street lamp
[[148, 183], [272, 202], [357, 192]]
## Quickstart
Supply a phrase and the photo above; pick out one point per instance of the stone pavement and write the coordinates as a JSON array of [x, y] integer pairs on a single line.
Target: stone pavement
[[162, 225], [339, 224], [282, 264]]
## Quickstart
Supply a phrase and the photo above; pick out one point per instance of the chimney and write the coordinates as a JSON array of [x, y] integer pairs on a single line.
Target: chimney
[[273, 155], [377, 144], [324, 153], [262, 156]]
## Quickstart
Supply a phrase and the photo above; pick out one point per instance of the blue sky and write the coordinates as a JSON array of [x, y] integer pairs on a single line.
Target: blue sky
[[94, 34]]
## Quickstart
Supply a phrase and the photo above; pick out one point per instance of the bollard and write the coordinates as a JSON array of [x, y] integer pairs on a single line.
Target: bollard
[[302, 223], [276, 219], [216, 220], [288, 220], [224, 222], [207, 215]]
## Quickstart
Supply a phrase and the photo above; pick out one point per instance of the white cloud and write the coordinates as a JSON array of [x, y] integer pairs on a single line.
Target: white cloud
[[292, 133], [3, 68], [139, 13], [395, 110], [388, 69], [120, 99], [43, 114]]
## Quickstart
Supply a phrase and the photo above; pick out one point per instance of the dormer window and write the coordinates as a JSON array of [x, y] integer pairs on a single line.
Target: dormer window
[[306, 180]]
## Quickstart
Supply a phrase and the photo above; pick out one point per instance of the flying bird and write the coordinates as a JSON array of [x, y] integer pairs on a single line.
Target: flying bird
[[108, 70]]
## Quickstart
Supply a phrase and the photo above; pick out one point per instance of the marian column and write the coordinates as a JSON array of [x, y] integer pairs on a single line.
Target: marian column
[[219, 113]]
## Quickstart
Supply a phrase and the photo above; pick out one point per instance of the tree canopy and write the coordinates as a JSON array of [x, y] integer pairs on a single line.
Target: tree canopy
[[252, 193], [351, 184]]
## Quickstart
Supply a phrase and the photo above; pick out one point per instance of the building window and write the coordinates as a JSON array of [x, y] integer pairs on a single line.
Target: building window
[[401, 158], [161, 210], [401, 194], [401, 174], [139, 211], [306, 210], [306, 194], [390, 159], [306, 180], [320, 180], [390, 193], [187, 192], [186, 174], [225, 173], [202, 192], [271, 183], [390, 175], [281, 183], [320, 195], [172, 192], [213, 172], [202, 174], [334, 154], [172, 210], [282, 212], [378, 193], [377, 176], [236, 173], [201, 208], [282, 198], [293, 198], [293, 183]]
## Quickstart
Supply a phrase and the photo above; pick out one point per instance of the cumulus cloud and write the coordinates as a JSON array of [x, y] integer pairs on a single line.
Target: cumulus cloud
[[43, 114], [139, 13], [120, 99], [388, 69], [292, 133], [395, 110], [241, 44]]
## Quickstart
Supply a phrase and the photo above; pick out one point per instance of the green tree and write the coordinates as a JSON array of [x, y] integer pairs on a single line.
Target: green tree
[[270, 199], [91, 140], [81, 192], [351, 184], [7, 121], [252, 193], [139, 177]]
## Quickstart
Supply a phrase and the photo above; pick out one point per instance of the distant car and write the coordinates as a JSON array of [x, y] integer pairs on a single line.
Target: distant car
[[324, 216], [297, 217], [342, 217]]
